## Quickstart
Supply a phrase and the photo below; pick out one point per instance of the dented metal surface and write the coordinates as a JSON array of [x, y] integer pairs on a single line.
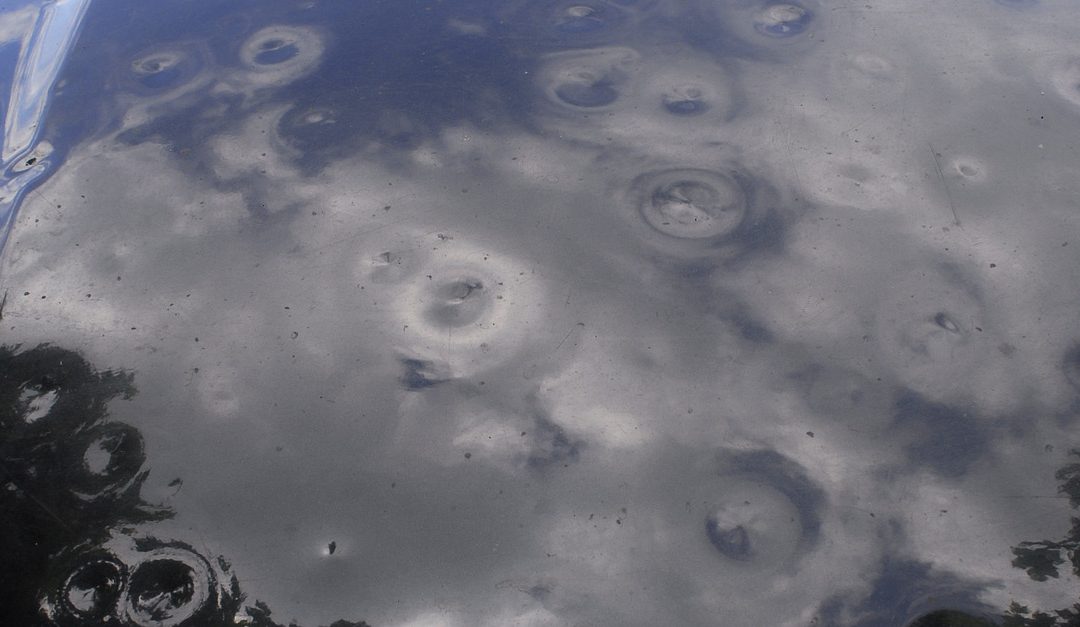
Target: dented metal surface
[[610, 312]]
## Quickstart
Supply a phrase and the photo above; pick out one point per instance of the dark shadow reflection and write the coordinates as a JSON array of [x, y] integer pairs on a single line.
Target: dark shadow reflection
[[1043, 559], [70, 507]]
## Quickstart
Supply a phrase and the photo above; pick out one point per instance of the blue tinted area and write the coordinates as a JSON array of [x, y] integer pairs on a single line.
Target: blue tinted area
[[946, 439]]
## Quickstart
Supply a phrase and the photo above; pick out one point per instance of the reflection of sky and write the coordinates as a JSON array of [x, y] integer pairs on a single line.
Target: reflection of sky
[[545, 312]]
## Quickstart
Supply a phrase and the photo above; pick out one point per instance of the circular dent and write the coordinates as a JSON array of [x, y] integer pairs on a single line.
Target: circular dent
[[92, 590], [753, 525], [40, 385], [587, 91], [171, 586], [465, 308], [782, 20], [931, 329], [309, 128], [685, 100], [691, 203], [279, 53], [579, 18], [588, 80], [568, 22], [695, 206], [458, 301], [108, 456], [165, 69]]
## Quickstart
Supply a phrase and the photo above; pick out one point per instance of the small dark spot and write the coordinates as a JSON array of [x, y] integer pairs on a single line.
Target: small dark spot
[[810, 433], [468, 455], [175, 482], [332, 547], [31, 161], [993, 265]]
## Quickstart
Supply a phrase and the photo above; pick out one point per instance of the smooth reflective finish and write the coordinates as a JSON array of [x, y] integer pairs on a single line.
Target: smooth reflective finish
[[540, 312]]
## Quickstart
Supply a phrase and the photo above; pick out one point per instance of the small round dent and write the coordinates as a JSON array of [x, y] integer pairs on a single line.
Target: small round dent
[[753, 525], [169, 587], [694, 204], [783, 20], [277, 54]]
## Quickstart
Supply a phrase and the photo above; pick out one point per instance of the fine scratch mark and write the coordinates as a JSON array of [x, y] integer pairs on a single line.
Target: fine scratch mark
[[944, 183], [2, 304], [565, 337]]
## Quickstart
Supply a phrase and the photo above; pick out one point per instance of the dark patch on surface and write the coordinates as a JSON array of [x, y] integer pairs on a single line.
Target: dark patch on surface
[[1070, 365], [70, 483], [904, 591], [552, 446], [733, 543], [943, 438], [419, 374]]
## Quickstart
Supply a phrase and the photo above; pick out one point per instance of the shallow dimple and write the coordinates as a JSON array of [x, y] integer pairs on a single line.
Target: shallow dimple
[[694, 204], [943, 320], [580, 18], [732, 542], [754, 525], [687, 100], [458, 303], [91, 592], [276, 54], [782, 20], [587, 93], [168, 589]]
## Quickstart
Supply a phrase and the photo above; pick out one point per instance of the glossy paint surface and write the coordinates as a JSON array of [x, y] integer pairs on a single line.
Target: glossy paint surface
[[539, 312]]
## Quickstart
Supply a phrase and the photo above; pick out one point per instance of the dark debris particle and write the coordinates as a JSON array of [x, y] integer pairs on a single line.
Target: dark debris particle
[[468, 455], [332, 547], [810, 433]]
